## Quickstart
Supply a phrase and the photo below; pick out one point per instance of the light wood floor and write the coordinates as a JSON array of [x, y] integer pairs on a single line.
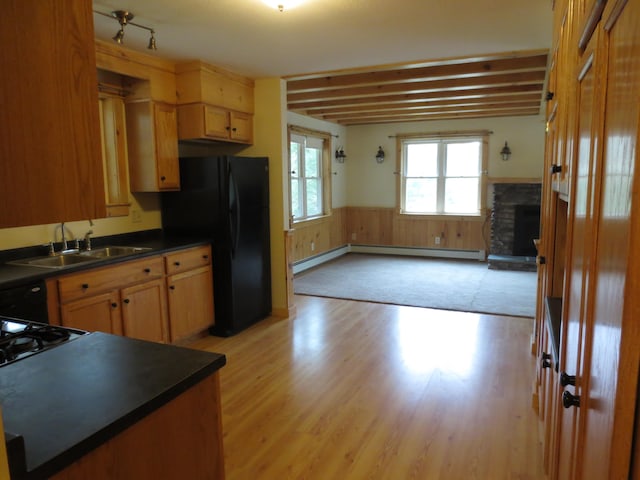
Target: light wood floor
[[355, 390]]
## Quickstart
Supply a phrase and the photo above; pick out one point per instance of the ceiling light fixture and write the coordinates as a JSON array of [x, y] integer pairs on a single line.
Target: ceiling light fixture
[[283, 5], [124, 18]]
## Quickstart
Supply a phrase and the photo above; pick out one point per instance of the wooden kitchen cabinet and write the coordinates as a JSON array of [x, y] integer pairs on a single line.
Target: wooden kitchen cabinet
[[190, 292], [152, 141], [200, 121], [50, 135], [595, 430], [99, 313], [214, 104], [127, 298], [114, 155], [144, 312]]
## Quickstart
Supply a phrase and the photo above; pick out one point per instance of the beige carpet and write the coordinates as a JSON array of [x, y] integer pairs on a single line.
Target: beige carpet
[[464, 285]]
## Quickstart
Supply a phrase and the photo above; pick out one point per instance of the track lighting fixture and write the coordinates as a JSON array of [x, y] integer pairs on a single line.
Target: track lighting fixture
[[124, 18]]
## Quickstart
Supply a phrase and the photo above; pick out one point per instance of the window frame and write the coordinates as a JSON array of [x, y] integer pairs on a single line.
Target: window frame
[[325, 172], [445, 137]]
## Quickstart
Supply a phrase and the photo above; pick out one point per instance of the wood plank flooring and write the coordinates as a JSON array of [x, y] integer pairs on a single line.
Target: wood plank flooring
[[356, 390]]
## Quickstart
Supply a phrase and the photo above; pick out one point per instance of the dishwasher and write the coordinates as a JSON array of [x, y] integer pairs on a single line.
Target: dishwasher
[[26, 302]]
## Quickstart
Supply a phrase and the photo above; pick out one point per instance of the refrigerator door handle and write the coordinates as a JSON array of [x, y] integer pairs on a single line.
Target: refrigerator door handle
[[234, 213]]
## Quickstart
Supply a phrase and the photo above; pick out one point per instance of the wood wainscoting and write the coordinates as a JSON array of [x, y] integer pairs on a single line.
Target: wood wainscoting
[[320, 235], [383, 226]]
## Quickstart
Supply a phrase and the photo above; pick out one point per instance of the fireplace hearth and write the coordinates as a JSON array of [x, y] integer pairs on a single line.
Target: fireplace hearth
[[515, 223]]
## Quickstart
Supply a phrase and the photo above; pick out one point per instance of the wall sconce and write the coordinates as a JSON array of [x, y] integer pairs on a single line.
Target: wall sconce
[[340, 155], [380, 155], [124, 18], [505, 153]]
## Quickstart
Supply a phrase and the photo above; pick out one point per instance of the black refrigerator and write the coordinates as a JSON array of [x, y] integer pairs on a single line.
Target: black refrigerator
[[226, 199]]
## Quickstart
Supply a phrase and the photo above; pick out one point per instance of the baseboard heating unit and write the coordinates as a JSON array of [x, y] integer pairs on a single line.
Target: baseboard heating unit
[[321, 258]]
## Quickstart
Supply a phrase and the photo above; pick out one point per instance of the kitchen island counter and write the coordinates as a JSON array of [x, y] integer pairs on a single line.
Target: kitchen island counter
[[68, 401]]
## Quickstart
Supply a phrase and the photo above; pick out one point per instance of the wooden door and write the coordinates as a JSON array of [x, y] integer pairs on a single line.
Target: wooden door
[[241, 127], [99, 313], [166, 140], [190, 302], [144, 312], [50, 136], [114, 155], [608, 396], [581, 240], [216, 122]]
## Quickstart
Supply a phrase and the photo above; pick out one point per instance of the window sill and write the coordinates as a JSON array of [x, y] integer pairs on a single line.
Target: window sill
[[444, 216], [311, 220]]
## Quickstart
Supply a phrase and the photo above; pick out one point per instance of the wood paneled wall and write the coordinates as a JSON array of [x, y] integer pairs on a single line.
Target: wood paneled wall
[[382, 226], [320, 235]]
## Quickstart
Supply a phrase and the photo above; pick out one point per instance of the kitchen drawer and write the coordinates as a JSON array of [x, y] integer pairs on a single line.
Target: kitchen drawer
[[188, 259], [103, 279]]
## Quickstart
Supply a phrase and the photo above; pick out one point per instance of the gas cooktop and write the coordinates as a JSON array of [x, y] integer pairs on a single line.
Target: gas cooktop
[[20, 338]]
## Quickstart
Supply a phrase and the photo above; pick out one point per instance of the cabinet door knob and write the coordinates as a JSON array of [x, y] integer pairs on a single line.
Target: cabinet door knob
[[85, 286], [541, 259], [177, 264], [172, 287], [114, 305], [163, 178], [556, 169], [546, 360], [126, 300], [569, 400], [147, 270], [549, 96], [206, 257], [566, 379]]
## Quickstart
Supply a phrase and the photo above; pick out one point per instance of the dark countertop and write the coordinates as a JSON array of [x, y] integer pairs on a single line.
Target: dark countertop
[[68, 400], [13, 275]]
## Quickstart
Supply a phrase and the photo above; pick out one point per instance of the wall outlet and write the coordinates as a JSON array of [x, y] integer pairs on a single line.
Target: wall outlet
[[135, 216], [313, 246], [437, 240]]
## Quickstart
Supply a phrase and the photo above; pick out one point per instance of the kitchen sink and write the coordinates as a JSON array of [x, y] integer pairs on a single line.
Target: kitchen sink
[[70, 259], [112, 251], [57, 261]]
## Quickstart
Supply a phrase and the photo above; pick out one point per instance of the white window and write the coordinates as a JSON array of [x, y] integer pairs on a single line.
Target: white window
[[441, 176], [307, 183]]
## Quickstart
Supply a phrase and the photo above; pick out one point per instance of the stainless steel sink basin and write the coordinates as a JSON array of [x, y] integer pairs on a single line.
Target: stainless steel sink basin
[[112, 251], [57, 261], [69, 259]]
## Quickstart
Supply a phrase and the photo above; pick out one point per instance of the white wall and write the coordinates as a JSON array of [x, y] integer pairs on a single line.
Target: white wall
[[374, 185]]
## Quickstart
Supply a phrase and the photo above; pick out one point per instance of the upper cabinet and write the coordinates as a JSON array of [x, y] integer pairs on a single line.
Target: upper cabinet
[[153, 146], [214, 104], [50, 155], [148, 88]]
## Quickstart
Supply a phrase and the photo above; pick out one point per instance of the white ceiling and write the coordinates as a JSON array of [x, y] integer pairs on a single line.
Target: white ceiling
[[249, 38]]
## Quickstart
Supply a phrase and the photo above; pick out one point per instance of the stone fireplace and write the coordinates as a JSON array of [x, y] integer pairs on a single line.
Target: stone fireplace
[[515, 222]]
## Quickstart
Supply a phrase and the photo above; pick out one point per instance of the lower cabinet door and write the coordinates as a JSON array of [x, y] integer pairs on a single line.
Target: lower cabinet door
[[98, 313], [144, 311], [190, 302]]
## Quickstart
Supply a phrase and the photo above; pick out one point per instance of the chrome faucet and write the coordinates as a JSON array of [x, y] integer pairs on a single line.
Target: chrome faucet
[[64, 240], [65, 245], [87, 240]]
